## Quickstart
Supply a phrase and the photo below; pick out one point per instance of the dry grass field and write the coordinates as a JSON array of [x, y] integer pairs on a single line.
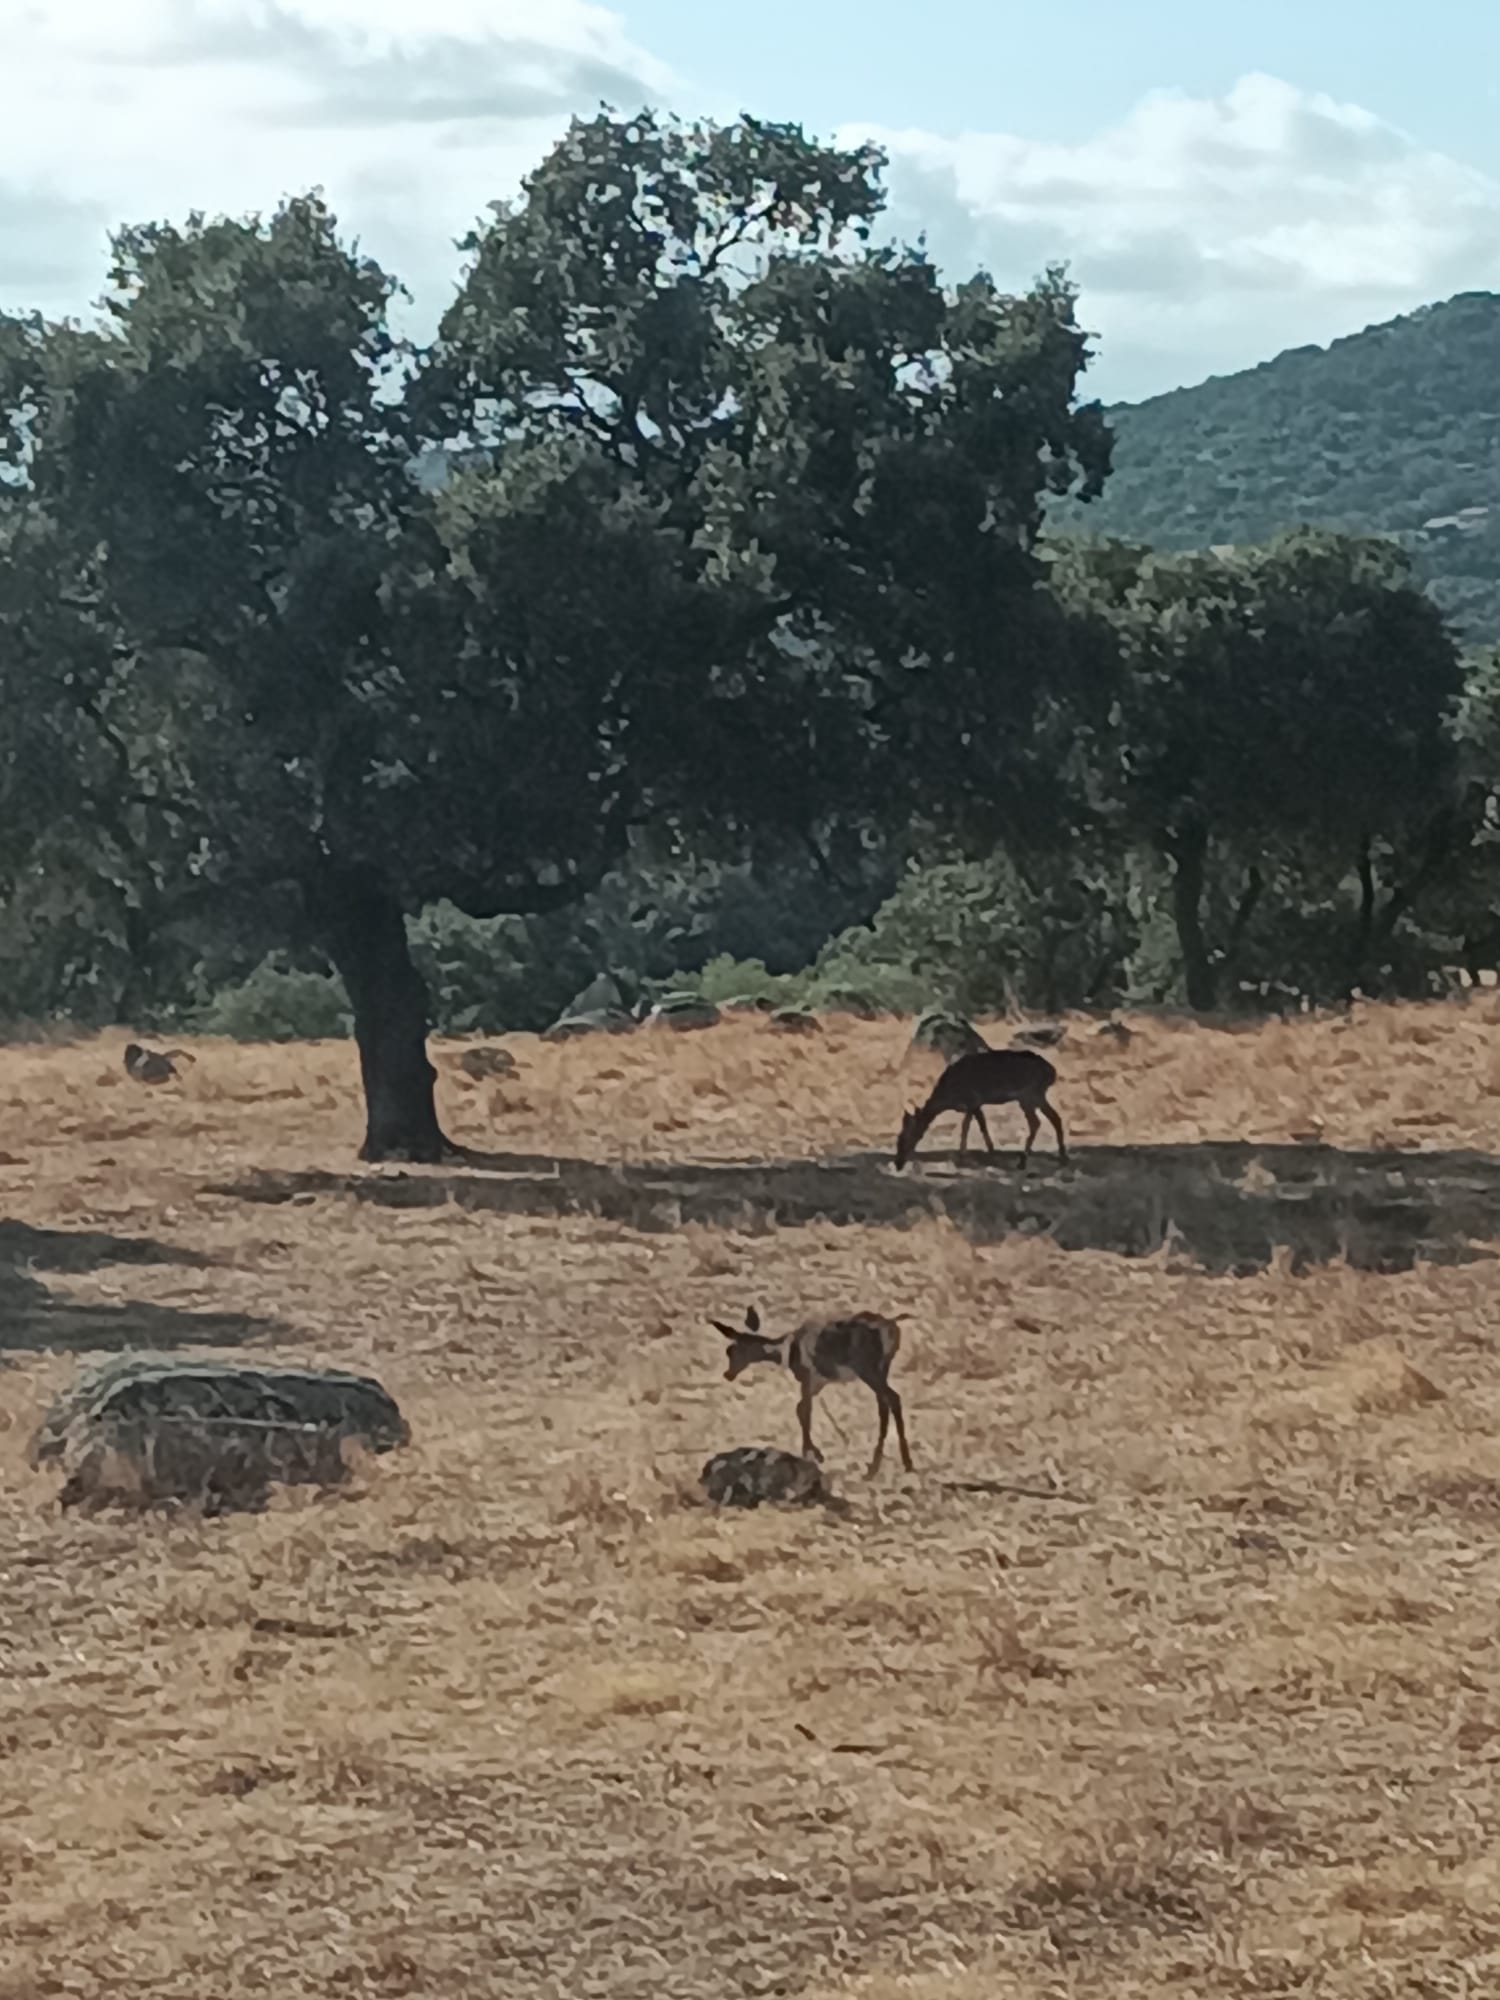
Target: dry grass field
[[1211, 1708]]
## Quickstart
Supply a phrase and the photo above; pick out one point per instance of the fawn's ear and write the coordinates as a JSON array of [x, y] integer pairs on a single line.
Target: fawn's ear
[[752, 1319], [729, 1332]]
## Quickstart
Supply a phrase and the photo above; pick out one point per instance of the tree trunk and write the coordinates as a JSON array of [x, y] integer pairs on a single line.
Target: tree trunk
[[362, 926], [1249, 903], [1189, 854], [133, 1001], [1364, 929]]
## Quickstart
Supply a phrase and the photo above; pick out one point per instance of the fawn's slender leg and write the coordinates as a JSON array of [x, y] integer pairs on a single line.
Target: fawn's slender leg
[[985, 1131], [893, 1402], [963, 1135], [1056, 1123], [804, 1414], [885, 1423]]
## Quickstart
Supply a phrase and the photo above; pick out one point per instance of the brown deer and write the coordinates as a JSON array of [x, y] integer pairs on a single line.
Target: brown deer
[[859, 1348], [153, 1065], [988, 1076]]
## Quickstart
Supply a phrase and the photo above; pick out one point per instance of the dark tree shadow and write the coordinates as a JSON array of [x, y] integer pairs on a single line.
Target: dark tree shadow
[[1230, 1206], [34, 1318]]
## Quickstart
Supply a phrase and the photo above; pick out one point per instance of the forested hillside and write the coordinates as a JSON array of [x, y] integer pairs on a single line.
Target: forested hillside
[[1395, 430]]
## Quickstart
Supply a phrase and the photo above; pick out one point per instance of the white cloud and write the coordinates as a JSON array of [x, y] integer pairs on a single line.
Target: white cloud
[[411, 114], [1207, 234]]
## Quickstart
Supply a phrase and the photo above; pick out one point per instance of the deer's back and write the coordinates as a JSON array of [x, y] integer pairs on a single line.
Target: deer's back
[[845, 1350], [991, 1076]]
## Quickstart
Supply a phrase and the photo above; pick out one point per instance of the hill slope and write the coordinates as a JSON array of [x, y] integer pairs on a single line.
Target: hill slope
[[1395, 430]]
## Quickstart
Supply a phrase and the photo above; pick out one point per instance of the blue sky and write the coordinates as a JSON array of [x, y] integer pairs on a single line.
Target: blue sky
[[1224, 182], [1003, 65], [994, 64]]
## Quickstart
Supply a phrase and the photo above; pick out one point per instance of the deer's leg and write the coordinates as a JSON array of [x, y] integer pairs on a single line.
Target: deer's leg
[[963, 1135], [1056, 1123], [1033, 1126], [804, 1415], [882, 1394], [985, 1131], [893, 1403]]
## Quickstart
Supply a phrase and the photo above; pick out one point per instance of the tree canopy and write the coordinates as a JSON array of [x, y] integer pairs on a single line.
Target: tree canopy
[[740, 540], [1292, 700]]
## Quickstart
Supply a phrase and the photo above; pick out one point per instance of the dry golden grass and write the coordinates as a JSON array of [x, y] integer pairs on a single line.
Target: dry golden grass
[[513, 1716]]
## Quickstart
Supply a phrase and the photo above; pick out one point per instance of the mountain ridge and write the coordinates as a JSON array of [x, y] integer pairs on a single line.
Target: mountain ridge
[[1394, 430]]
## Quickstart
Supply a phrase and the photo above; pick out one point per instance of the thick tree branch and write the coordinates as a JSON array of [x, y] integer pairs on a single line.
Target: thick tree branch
[[526, 896]]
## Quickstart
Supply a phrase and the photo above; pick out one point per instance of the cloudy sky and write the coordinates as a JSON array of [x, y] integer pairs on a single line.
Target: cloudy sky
[[1224, 182]]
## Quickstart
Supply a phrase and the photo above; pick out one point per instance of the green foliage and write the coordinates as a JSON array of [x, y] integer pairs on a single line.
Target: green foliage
[[738, 506], [276, 1003], [726, 978], [686, 589], [1381, 433], [1292, 700], [979, 936]]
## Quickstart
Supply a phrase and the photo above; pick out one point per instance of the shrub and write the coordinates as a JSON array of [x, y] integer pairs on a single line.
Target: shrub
[[979, 937], [275, 1004], [724, 979]]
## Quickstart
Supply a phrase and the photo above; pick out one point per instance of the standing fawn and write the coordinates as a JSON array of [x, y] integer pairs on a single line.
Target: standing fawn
[[988, 1076], [860, 1348]]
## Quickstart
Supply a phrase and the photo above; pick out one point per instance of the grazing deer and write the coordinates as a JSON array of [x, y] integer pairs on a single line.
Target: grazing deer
[[860, 1348], [988, 1076], [152, 1065]]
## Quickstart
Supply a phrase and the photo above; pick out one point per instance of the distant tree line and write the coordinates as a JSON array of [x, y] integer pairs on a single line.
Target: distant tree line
[[686, 607]]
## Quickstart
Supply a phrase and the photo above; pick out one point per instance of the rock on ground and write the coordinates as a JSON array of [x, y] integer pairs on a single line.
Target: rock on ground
[[683, 1010], [952, 1035], [751, 1475], [146, 1428], [487, 1062], [599, 1021], [795, 1021]]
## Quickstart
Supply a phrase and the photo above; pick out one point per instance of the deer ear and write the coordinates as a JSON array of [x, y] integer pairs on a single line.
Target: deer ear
[[752, 1319], [729, 1332]]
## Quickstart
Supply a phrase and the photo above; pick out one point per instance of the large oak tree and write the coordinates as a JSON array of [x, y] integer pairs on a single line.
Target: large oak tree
[[735, 535]]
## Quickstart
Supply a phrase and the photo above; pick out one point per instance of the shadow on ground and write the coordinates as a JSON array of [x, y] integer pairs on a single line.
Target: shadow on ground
[[33, 1317], [1229, 1206]]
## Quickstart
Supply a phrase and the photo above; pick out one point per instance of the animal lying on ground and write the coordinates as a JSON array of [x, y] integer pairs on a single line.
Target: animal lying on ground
[[859, 1348], [988, 1076], [153, 1065]]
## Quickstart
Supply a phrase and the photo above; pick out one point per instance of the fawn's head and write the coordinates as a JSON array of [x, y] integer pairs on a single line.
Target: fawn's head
[[906, 1139], [747, 1345]]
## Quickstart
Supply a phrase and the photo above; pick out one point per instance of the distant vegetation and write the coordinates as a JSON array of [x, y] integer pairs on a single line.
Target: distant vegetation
[[1393, 431]]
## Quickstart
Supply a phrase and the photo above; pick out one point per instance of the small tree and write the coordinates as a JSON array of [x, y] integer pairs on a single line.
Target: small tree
[[1280, 700]]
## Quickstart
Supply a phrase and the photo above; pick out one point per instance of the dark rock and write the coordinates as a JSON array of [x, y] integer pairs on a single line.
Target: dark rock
[[684, 1010], [145, 1428], [848, 1000], [752, 1475], [487, 1062], [601, 1021], [795, 1021], [952, 1035], [1049, 1036]]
